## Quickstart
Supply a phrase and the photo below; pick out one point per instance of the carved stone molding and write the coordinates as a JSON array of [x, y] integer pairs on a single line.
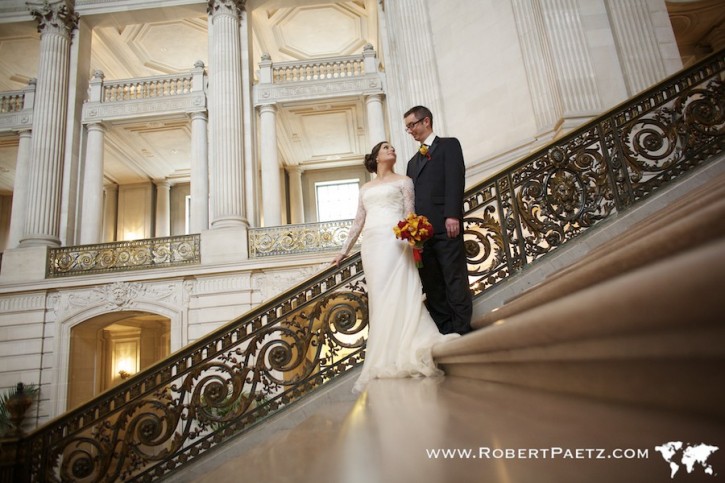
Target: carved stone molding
[[20, 303], [271, 283], [118, 296], [97, 111], [225, 7], [54, 17], [370, 84], [214, 285]]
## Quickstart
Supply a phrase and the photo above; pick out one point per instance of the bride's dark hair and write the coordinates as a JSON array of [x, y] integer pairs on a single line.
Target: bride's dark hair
[[371, 160]]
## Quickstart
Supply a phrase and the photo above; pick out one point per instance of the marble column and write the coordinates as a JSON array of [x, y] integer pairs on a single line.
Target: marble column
[[376, 119], [199, 215], [55, 20], [163, 208], [637, 46], [271, 181], [540, 72], [225, 115], [110, 212], [20, 189], [572, 59], [297, 205], [92, 211], [412, 78]]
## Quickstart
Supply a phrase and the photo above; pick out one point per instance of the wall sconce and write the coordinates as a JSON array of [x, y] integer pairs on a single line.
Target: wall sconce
[[126, 367]]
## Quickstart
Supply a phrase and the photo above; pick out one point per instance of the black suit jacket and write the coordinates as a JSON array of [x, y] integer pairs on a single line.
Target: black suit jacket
[[439, 182]]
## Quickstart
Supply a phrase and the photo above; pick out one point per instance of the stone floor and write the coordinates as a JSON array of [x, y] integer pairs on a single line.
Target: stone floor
[[513, 435]]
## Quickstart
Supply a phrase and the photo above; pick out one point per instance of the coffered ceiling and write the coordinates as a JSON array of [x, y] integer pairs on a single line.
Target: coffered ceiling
[[139, 43]]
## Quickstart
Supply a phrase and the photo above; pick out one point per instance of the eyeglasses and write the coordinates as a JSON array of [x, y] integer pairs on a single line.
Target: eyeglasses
[[410, 126]]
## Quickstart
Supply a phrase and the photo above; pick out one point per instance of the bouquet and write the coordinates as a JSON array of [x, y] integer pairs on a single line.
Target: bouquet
[[415, 229]]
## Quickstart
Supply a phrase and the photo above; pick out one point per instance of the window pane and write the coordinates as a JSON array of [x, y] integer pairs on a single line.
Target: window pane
[[337, 200]]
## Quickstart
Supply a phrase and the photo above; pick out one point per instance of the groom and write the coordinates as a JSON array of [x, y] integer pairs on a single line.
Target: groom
[[438, 174]]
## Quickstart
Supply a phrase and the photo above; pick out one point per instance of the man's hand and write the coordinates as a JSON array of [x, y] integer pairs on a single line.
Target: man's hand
[[453, 227]]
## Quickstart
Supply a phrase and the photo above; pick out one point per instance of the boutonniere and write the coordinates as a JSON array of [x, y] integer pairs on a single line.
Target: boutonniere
[[424, 151]]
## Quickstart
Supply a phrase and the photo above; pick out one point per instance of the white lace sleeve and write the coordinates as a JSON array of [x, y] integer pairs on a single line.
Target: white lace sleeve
[[408, 196], [357, 225]]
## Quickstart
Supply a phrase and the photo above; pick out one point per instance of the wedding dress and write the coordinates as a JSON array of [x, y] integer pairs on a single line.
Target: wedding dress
[[401, 332]]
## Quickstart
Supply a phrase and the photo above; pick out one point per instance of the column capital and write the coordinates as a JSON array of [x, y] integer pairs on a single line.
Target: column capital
[[96, 126], [268, 108], [54, 16], [201, 115], [225, 7]]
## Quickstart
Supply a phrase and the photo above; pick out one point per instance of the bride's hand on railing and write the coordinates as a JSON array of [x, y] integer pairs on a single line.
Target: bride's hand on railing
[[336, 261]]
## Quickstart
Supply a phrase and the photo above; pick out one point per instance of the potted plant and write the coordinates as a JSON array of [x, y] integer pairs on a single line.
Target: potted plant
[[14, 403]]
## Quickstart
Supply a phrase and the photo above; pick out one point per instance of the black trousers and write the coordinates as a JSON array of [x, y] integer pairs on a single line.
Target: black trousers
[[445, 282]]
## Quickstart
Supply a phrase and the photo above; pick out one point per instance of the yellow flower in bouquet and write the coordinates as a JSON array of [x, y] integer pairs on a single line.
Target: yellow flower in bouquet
[[415, 229]]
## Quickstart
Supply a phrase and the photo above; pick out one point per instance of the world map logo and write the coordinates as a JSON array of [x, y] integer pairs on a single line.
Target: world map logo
[[691, 456]]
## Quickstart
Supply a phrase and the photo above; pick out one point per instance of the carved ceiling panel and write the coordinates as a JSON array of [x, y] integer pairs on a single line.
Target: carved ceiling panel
[[148, 150], [323, 135]]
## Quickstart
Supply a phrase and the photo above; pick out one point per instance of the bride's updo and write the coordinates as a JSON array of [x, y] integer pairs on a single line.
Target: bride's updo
[[371, 159]]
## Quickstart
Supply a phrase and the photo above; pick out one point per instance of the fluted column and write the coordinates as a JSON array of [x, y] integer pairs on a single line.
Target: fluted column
[[412, 78], [297, 206], [55, 20], [539, 66], [271, 188], [199, 216], [110, 213], [376, 120], [92, 211], [225, 114], [637, 46], [163, 210], [20, 189], [575, 74]]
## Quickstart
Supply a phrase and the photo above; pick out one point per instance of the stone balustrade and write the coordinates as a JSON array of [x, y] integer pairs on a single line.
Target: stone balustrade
[[148, 87], [153, 95], [12, 101], [320, 78], [316, 70], [16, 108]]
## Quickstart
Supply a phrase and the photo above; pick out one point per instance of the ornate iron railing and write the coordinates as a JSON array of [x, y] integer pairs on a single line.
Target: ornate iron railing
[[603, 167], [124, 256], [235, 377], [297, 239], [203, 395]]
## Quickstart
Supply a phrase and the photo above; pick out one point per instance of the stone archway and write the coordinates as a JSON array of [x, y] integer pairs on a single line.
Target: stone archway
[[106, 349]]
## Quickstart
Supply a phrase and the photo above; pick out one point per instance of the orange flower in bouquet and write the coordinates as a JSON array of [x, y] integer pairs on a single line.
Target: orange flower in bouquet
[[415, 229]]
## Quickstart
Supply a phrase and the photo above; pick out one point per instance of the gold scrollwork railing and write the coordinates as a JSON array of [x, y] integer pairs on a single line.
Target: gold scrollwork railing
[[200, 397], [124, 256], [560, 191], [295, 239]]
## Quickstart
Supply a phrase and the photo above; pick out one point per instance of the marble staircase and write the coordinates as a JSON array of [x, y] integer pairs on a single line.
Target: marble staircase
[[617, 342]]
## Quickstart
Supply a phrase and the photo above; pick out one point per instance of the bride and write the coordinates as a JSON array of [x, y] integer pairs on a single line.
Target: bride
[[401, 332]]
